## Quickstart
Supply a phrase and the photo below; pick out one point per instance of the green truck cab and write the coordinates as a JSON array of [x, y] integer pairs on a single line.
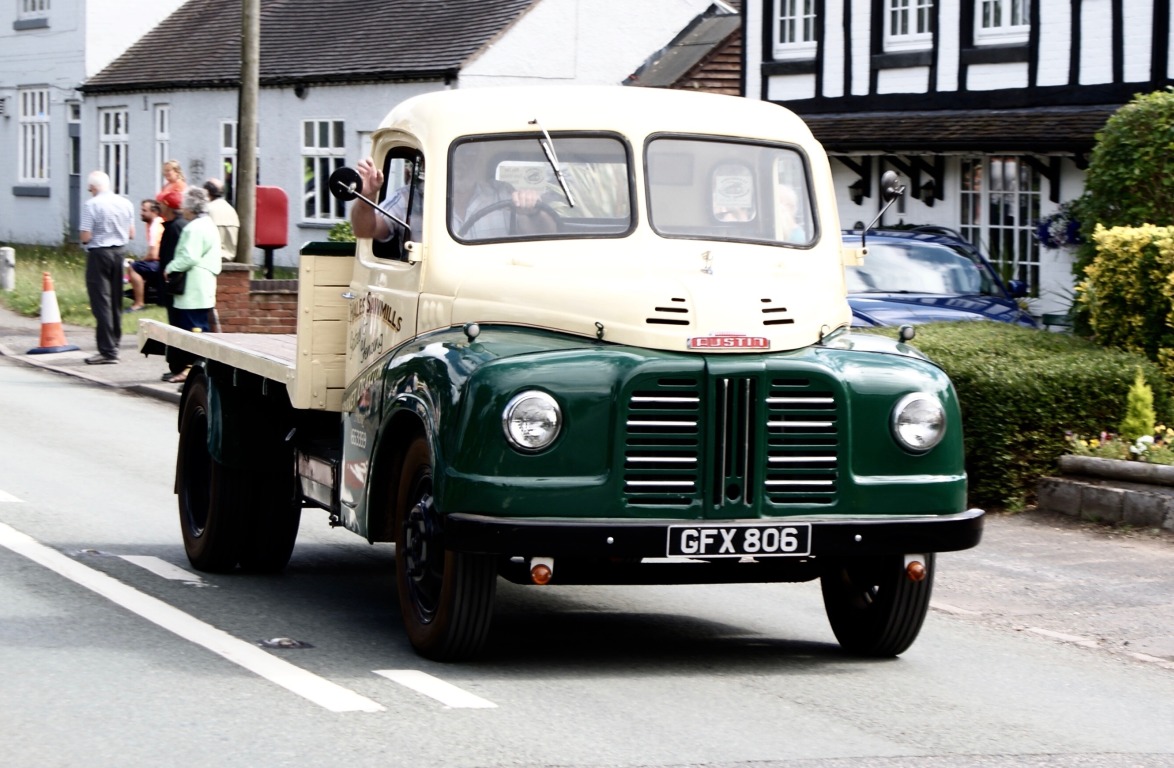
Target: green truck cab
[[602, 338]]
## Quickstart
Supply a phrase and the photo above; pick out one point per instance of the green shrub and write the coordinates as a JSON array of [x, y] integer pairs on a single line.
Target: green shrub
[[1127, 293], [341, 232], [1139, 410], [1022, 390]]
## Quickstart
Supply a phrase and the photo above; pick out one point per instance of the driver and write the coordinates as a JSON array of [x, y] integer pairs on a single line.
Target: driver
[[519, 213]]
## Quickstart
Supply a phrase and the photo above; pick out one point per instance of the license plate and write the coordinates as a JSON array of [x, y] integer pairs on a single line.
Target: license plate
[[756, 540]]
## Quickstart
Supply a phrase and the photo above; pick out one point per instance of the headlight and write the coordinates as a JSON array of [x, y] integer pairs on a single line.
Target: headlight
[[531, 421], [919, 422]]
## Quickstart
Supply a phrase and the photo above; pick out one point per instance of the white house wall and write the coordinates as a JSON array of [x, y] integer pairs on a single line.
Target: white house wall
[[80, 37], [196, 117], [580, 42]]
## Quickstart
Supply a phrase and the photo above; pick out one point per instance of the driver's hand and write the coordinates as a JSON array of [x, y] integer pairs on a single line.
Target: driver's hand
[[526, 199], [371, 175]]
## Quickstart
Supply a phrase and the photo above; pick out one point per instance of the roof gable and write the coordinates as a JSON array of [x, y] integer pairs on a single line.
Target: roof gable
[[307, 41]]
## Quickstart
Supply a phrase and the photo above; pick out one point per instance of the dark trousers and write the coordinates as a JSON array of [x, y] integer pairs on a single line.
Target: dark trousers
[[188, 320], [104, 286]]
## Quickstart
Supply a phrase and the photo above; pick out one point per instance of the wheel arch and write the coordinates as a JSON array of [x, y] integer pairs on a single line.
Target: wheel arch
[[403, 426]]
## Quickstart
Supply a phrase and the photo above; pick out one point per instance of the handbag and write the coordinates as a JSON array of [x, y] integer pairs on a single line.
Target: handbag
[[176, 282]]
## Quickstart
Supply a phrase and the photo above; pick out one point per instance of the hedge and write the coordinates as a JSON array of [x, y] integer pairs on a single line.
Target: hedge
[[1021, 390]]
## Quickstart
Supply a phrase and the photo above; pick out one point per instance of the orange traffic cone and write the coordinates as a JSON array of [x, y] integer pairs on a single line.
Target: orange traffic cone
[[52, 334]]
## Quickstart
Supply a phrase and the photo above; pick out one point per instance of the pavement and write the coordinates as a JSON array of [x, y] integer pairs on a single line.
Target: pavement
[[134, 372]]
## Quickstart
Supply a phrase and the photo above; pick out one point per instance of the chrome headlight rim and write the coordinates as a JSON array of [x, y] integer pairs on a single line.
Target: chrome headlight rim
[[902, 407], [508, 423]]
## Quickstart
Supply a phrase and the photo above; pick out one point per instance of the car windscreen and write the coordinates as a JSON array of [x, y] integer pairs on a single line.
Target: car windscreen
[[516, 188], [709, 188], [918, 268]]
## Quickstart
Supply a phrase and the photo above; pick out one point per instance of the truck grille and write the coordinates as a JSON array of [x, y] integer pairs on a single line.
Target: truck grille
[[662, 451], [771, 440]]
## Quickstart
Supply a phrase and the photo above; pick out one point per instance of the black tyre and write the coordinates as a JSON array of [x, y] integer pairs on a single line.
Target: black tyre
[[210, 526], [271, 520], [446, 597], [873, 607]]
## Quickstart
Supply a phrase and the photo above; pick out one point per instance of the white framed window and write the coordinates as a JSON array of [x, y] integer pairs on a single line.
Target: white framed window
[[794, 29], [228, 139], [162, 139], [323, 150], [1002, 21], [34, 135], [1000, 199], [33, 9], [113, 138], [908, 24]]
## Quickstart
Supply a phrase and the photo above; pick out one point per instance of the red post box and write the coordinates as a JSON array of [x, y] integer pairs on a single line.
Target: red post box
[[272, 228]]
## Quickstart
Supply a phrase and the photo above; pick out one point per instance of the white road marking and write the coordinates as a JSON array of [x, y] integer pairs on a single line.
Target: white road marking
[[7, 497], [947, 608], [1081, 641], [446, 693], [163, 568], [1152, 660], [294, 679]]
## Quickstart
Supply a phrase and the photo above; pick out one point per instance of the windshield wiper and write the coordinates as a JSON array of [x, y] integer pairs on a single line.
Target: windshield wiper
[[547, 145]]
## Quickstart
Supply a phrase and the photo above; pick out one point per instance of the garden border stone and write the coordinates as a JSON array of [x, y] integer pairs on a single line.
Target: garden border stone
[[1111, 491]]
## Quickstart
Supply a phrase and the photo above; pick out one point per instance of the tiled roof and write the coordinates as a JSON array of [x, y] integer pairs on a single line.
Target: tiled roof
[[1043, 129], [310, 41], [706, 55]]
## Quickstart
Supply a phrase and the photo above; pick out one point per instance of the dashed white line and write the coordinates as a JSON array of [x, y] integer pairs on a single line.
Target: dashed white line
[[947, 608], [163, 568], [8, 497], [326, 694], [1075, 640], [446, 693]]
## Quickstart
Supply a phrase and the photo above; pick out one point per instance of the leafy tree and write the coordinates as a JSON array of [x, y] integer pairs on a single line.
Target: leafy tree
[[1130, 178]]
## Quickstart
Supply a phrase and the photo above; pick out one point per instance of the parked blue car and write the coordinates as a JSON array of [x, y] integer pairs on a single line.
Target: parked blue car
[[912, 276]]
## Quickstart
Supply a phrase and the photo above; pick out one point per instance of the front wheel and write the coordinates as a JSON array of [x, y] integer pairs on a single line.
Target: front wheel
[[874, 608], [446, 597]]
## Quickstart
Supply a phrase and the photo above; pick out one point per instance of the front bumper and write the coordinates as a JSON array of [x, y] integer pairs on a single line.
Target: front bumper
[[629, 539]]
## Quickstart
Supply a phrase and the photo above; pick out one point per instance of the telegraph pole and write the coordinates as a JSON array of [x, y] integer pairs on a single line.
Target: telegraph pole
[[246, 144]]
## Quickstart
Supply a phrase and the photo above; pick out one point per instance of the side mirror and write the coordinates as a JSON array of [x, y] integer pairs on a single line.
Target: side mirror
[[1017, 288], [345, 183], [891, 190], [891, 186]]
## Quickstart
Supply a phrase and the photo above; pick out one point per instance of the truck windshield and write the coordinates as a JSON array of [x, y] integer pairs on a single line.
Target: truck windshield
[[709, 188], [506, 189]]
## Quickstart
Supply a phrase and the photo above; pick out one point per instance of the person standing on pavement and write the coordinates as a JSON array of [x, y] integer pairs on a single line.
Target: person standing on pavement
[[173, 223], [224, 216], [198, 255], [107, 225]]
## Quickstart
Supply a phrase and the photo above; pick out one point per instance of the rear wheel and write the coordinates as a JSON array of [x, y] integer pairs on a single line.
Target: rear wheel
[[206, 490], [874, 608], [271, 520], [446, 597]]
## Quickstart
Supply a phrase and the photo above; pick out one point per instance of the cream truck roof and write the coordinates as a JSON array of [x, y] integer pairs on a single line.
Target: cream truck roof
[[726, 296]]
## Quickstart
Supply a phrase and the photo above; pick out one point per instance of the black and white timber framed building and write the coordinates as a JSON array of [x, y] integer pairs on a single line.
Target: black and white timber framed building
[[988, 108]]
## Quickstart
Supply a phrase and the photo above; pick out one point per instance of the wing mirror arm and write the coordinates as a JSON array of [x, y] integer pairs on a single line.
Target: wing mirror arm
[[891, 190], [345, 184]]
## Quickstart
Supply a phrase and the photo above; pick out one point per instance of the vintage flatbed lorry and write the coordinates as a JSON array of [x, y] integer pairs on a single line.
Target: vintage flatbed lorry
[[607, 342]]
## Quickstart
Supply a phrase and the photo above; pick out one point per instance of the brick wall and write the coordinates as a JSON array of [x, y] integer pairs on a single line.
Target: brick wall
[[255, 306]]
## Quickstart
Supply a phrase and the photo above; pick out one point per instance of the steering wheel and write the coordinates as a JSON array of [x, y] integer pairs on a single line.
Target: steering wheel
[[500, 205]]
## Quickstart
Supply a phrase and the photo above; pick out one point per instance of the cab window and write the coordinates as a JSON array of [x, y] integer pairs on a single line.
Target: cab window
[[709, 188], [403, 197]]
